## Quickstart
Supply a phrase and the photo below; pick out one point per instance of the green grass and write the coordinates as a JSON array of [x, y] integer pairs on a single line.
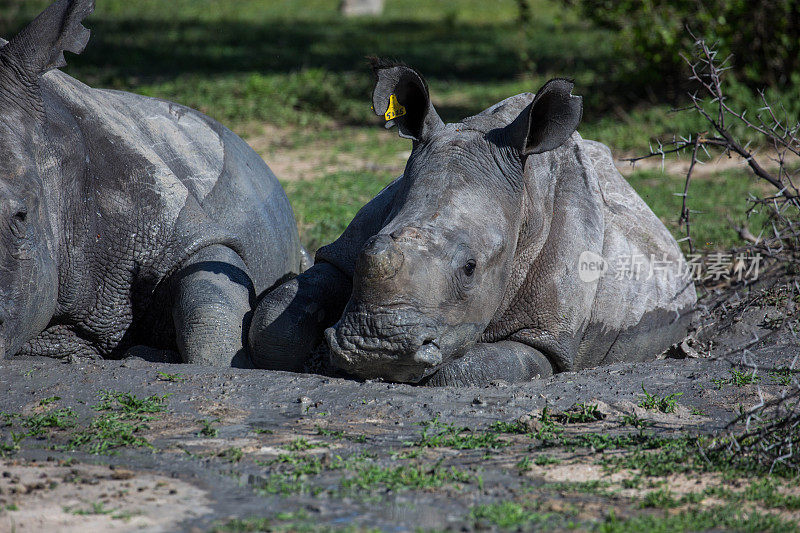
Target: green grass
[[580, 413], [665, 404], [438, 434], [728, 518], [302, 444], [323, 208], [508, 515], [207, 429], [172, 378], [738, 378], [299, 65], [406, 477]]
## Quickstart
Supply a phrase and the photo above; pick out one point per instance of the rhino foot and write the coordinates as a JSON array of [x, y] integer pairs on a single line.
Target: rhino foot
[[484, 363], [288, 322]]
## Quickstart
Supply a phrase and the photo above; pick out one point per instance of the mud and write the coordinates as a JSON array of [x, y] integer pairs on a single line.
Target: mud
[[333, 453]]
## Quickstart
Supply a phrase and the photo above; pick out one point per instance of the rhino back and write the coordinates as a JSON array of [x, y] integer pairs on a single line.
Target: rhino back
[[201, 176], [160, 182], [638, 310]]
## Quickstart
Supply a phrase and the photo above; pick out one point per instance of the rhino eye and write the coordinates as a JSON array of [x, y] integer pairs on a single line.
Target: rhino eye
[[469, 268], [18, 224]]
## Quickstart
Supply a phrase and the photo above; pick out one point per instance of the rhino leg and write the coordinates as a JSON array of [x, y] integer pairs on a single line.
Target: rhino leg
[[508, 361], [288, 322], [213, 294]]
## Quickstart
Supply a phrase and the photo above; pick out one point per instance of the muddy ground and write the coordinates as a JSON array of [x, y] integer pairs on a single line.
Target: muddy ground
[[131, 445]]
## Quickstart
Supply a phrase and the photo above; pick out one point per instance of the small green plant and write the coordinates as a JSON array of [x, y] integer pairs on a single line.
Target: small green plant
[[632, 419], [232, 455], [48, 401], [783, 375], [659, 499], [339, 434], [107, 433], [508, 515], [737, 378], [129, 403], [406, 477], [544, 459], [524, 464], [666, 404], [172, 378], [579, 414], [437, 434], [206, 428], [58, 419], [301, 444]]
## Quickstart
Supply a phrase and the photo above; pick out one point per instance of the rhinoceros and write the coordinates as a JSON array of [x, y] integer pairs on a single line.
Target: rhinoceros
[[499, 254], [126, 221]]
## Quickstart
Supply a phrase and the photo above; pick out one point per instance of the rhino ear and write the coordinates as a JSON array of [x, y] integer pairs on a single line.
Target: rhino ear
[[40, 46], [549, 120], [401, 97]]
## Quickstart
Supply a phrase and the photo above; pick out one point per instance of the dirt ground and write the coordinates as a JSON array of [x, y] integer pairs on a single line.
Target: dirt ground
[[245, 450]]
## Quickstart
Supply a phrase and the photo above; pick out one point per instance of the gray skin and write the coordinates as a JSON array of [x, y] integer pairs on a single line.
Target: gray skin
[[466, 269], [126, 221]]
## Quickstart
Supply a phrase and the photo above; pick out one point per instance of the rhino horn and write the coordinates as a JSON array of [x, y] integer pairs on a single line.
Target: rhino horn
[[549, 120], [415, 115], [380, 259], [40, 46]]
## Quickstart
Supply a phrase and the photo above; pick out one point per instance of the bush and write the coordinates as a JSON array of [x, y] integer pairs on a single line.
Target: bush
[[764, 37]]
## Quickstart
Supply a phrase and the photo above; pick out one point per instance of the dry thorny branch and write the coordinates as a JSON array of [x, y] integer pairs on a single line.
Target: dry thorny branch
[[769, 432], [771, 126]]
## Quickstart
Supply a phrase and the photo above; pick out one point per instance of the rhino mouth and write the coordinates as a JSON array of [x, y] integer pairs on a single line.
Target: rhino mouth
[[398, 345]]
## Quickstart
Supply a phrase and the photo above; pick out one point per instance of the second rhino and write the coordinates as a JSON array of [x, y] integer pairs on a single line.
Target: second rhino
[[499, 254]]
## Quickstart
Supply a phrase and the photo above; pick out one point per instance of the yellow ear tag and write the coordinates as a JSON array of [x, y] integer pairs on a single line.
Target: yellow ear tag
[[395, 109]]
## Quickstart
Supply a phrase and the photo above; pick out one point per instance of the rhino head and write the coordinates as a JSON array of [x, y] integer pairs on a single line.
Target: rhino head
[[29, 228], [427, 285]]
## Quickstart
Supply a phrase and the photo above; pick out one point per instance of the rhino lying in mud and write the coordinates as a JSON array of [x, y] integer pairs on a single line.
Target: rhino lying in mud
[[126, 220], [476, 264]]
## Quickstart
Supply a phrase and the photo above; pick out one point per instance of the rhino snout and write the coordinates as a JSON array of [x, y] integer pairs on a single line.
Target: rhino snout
[[407, 359]]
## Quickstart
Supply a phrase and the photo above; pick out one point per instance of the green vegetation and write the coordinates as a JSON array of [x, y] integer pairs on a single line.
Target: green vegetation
[[172, 378], [437, 434], [298, 68], [738, 378], [207, 429], [406, 477], [130, 404], [784, 375], [660, 499], [37, 424], [508, 515], [579, 414], [124, 416], [665, 404], [634, 420], [301, 444], [232, 455], [47, 401], [714, 518]]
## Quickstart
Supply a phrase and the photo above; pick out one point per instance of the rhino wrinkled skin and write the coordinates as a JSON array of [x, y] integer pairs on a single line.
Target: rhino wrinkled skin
[[492, 257], [128, 220]]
